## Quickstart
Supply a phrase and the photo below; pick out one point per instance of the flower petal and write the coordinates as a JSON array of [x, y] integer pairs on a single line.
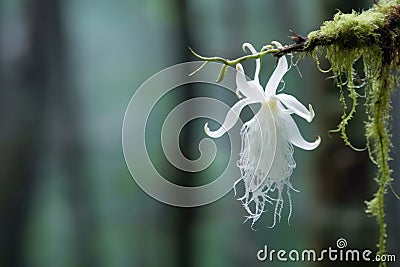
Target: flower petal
[[295, 106], [231, 118], [276, 77], [248, 88], [294, 134], [258, 62]]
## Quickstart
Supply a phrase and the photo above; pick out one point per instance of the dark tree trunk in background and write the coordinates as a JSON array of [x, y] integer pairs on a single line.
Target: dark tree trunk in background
[[185, 217], [23, 91], [40, 119]]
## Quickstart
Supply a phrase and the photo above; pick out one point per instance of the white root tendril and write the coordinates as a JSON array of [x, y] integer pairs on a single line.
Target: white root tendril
[[265, 183]]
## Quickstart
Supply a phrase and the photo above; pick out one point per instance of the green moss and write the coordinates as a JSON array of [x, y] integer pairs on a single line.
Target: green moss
[[377, 132], [372, 36]]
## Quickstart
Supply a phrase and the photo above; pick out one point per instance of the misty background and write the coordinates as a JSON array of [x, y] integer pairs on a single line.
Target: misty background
[[67, 72]]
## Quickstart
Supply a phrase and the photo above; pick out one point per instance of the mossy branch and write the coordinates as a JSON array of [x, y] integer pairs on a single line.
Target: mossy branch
[[374, 36], [377, 26]]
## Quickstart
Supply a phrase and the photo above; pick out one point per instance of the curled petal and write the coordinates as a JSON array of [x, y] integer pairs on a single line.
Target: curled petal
[[248, 88], [231, 118], [295, 106], [258, 62], [276, 77], [294, 134]]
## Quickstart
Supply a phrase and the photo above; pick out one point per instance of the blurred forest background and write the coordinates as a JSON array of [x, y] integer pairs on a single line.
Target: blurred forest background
[[67, 72]]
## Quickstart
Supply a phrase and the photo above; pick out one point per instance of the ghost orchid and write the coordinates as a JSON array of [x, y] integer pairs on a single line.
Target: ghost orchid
[[266, 158]]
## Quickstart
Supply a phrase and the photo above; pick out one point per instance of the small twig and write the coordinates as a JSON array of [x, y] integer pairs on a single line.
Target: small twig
[[304, 44], [287, 49]]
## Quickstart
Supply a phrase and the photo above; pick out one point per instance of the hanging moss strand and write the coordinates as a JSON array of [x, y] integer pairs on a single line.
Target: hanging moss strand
[[377, 131]]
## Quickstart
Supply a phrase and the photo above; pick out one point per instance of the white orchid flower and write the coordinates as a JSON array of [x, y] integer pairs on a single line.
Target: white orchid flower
[[266, 159]]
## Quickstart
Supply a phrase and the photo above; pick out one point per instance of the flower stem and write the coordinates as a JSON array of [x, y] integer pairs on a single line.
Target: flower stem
[[234, 61]]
